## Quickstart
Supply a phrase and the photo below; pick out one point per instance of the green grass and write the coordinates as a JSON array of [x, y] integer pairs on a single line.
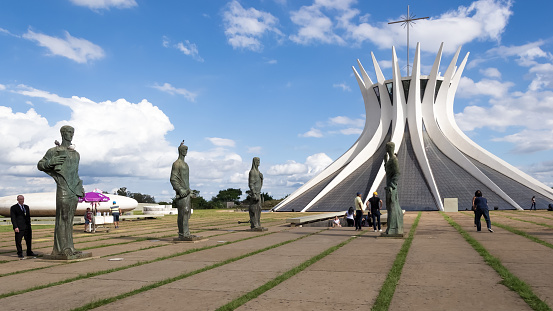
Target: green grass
[[281, 278], [523, 234], [529, 214], [102, 302], [9, 228], [509, 279], [92, 274], [519, 232], [388, 289], [529, 221]]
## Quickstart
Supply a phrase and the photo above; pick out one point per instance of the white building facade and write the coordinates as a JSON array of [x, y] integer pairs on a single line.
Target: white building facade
[[437, 160]]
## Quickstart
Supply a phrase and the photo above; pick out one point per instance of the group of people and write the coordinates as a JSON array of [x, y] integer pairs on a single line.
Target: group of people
[[115, 212], [373, 206], [20, 214]]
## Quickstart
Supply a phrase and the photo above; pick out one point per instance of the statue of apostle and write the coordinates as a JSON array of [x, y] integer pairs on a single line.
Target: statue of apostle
[[395, 215], [180, 182], [255, 182], [62, 164]]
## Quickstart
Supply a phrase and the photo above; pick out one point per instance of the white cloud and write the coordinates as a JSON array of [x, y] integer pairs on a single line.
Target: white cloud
[[2, 87], [288, 176], [289, 168], [343, 86], [244, 28], [105, 4], [222, 142], [77, 49], [255, 150], [189, 49], [349, 127], [272, 62], [332, 22], [214, 166], [313, 132], [491, 72], [165, 41], [168, 88], [528, 141], [315, 26], [341, 120], [468, 88], [526, 54], [352, 131], [530, 114], [186, 47], [144, 153]]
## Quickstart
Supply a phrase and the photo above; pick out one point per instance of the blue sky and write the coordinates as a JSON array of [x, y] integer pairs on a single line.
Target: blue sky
[[238, 79]]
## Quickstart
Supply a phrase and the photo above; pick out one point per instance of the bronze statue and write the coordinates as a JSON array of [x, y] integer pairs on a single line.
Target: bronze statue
[[62, 163], [255, 182], [180, 182], [395, 215]]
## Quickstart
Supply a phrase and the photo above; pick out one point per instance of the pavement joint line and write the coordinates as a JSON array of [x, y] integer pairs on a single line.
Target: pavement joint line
[[109, 255], [283, 277], [102, 302], [521, 233], [529, 221], [510, 280], [140, 239], [155, 246], [108, 237], [529, 214], [386, 293], [518, 219], [102, 272]]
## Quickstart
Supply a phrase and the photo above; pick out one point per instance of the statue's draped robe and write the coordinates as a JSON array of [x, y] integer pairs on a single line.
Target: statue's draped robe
[[69, 189], [255, 182], [180, 182], [395, 215]]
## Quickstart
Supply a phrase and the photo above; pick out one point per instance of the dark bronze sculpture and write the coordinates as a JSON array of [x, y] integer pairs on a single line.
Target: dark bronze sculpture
[[255, 182], [395, 214], [180, 182], [62, 164]]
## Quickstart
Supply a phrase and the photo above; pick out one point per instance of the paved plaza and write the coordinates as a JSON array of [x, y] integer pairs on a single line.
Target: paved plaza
[[285, 268]]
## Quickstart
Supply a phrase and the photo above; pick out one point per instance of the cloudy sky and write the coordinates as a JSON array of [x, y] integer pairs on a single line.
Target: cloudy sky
[[238, 79]]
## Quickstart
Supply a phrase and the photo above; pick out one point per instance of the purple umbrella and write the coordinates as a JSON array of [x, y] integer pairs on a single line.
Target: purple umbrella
[[94, 197]]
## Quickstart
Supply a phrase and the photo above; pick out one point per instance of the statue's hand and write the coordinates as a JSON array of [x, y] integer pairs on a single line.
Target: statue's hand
[[184, 193], [57, 160]]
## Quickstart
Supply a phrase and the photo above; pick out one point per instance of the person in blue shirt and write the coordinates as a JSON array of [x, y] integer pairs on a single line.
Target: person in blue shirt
[[481, 205]]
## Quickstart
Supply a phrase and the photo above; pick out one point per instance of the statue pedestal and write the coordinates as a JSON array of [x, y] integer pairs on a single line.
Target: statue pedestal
[[257, 229], [189, 239], [396, 235], [75, 256]]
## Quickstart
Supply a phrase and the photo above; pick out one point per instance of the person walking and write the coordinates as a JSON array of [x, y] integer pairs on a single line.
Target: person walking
[[533, 203], [474, 208], [376, 205], [21, 222], [115, 211], [482, 210], [358, 211]]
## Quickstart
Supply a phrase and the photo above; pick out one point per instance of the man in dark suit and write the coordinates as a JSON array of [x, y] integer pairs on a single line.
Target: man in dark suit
[[21, 221]]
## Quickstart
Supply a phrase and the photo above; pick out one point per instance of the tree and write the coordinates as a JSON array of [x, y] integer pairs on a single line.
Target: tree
[[265, 195], [139, 197], [228, 195], [198, 201], [123, 192], [142, 198]]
